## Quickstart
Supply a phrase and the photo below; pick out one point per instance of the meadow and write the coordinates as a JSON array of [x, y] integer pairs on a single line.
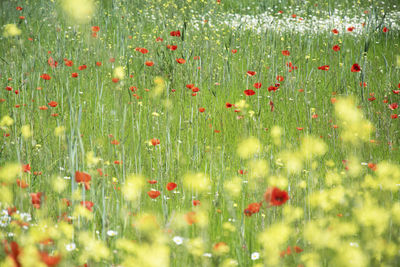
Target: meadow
[[199, 133]]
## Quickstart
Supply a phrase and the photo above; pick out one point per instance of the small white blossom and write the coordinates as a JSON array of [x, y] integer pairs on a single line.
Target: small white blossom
[[255, 256], [70, 247], [178, 240], [112, 233]]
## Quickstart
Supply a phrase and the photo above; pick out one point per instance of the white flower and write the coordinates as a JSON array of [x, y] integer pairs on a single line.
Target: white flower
[[112, 233], [70, 247], [26, 217], [178, 240], [209, 255], [255, 256]]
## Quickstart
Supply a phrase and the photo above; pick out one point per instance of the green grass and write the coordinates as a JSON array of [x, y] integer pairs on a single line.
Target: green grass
[[348, 212]]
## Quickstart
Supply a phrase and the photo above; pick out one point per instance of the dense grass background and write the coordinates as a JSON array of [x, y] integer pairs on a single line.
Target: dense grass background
[[94, 111]]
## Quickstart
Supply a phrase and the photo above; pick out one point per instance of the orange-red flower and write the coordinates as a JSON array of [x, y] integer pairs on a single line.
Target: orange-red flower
[[45, 76], [285, 53], [36, 199], [154, 194], [155, 141], [180, 60], [22, 183], [202, 110], [252, 208], [88, 204], [249, 92], [13, 252], [149, 63], [50, 261], [83, 177], [355, 68], [53, 104], [275, 197], [171, 186]]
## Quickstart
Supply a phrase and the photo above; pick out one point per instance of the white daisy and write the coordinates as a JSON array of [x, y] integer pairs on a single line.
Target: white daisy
[[255, 256], [70, 247], [178, 240], [112, 233]]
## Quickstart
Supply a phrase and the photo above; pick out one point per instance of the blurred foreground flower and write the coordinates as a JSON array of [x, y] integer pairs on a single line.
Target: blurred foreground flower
[[11, 30], [80, 11]]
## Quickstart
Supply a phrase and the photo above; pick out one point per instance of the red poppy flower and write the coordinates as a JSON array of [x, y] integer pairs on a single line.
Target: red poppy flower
[[324, 67], [336, 48], [257, 85], [180, 60], [69, 63], [172, 47], [95, 28], [249, 92], [26, 168], [143, 50], [272, 88], [36, 199], [50, 261], [280, 78], [234, 51], [394, 116], [149, 63], [175, 33], [393, 106], [14, 251], [115, 80], [45, 76], [396, 91], [98, 64], [196, 58], [275, 197], [372, 98], [114, 142], [251, 73], [22, 183], [285, 53], [195, 89], [52, 63], [53, 104], [18, 8], [202, 110], [88, 204], [152, 181], [335, 31], [155, 141], [196, 202], [171, 186], [350, 29], [385, 30], [154, 194], [83, 177], [9, 88], [191, 217], [189, 86], [252, 208], [82, 67], [228, 105], [372, 166], [43, 108], [355, 68], [159, 39], [22, 17]]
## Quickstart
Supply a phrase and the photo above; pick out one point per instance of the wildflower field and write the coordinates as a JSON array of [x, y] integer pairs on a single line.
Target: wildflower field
[[199, 133]]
